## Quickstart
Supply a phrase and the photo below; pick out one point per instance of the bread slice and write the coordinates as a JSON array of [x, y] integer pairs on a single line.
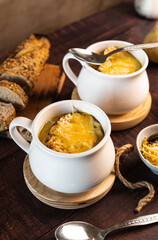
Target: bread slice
[[11, 92], [7, 114], [19, 76]]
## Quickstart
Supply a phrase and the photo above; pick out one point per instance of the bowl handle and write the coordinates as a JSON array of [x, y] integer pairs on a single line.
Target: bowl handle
[[67, 68], [16, 136]]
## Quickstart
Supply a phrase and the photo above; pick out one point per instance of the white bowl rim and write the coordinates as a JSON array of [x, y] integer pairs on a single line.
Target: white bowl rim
[[151, 166], [122, 76], [72, 155]]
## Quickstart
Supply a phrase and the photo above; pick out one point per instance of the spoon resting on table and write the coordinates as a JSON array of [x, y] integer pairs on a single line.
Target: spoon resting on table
[[77, 230], [97, 59]]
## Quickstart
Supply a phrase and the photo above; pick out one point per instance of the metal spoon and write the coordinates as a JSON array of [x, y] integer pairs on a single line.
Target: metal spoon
[[97, 59], [84, 231]]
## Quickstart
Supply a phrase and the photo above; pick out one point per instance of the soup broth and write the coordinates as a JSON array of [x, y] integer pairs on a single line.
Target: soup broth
[[71, 133]]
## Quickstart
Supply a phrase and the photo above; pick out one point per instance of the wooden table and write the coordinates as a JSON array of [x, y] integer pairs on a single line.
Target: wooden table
[[22, 216]]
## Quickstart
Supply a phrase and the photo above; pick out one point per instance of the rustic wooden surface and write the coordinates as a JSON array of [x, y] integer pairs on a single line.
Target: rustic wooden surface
[[24, 217], [46, 89]]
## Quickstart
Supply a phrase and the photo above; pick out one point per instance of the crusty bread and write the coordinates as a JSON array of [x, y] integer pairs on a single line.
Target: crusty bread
[[27, 72], [18, 75], [7, 114], [11, 92], [30, 45], [26, 63]]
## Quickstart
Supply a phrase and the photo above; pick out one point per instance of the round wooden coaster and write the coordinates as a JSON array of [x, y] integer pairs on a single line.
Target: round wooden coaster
[[127, 120], [63, 200]]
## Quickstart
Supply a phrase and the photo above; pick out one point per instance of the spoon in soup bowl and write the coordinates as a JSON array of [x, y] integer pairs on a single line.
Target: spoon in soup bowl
[[97, 59], [77, 230]]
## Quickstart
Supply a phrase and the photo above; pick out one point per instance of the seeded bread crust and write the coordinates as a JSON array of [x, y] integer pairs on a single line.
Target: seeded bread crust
[[11, 92], [26, 63], [31, 44], [7, 114], [20, 78]]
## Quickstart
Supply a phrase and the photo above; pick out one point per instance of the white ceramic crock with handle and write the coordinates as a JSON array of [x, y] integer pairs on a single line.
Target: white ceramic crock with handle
[[114, 94], [64, 172]]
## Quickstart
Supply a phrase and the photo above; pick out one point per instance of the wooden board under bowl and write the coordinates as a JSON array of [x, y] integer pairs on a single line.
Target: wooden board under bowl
[[65, 200]]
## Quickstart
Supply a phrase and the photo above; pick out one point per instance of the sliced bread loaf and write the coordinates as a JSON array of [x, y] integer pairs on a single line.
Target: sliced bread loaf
[[11, 92], [7, 114], [27, 72], [26, 63]]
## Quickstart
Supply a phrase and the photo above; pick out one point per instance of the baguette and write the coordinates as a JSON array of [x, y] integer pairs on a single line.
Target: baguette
[[18, 75], [7, 114], [26, 63], [11, 92], [31, 44]]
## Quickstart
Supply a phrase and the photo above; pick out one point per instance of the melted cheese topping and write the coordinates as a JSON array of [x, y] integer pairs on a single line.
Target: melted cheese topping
[[119, 63], [74, 133]]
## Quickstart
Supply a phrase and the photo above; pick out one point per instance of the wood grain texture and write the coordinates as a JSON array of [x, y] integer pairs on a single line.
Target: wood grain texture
[[22, 215], [48, 86], [128, 120]]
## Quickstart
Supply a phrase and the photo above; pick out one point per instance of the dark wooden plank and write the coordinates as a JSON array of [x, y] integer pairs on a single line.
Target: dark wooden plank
[[22, 215], [7, 147], [119, 206], [133, 169]]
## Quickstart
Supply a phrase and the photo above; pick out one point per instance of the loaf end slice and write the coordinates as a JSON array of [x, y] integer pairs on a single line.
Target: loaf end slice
[[7, 114], [11, 92]]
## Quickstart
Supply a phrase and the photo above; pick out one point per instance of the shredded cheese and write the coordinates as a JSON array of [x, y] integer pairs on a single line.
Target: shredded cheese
[[74, 132], [119, 63], [150, 151]]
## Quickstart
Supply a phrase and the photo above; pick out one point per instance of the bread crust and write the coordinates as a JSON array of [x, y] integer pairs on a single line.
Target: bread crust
[[17, 95], [18, 75], [26, 63], [5, 119]]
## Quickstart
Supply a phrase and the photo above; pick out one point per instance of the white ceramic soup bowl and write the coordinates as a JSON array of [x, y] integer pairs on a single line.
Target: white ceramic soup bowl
[[64, 172], [147, 132], [115, 94]]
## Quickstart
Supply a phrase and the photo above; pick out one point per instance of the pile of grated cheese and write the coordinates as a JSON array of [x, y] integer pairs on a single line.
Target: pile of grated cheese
[[150, 151]]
